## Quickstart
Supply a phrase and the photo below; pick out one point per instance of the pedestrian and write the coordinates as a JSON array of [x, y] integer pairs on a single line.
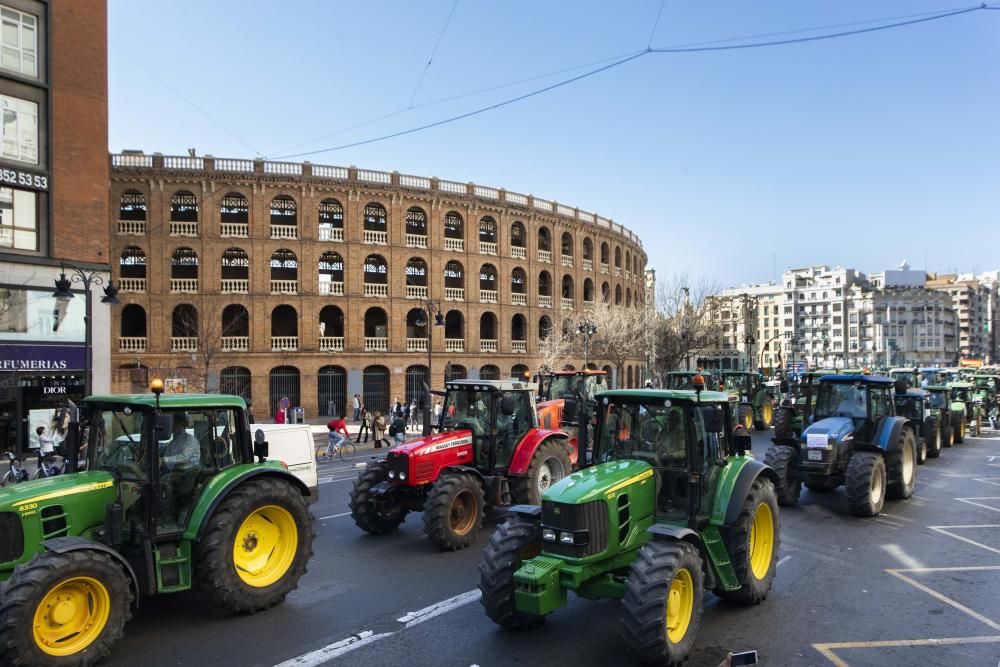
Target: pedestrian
[[357, 407], [398, 429], [414, 417], [378, 430], [366, 424], [437, 411], [406, 413], [397, 408], [993, 416], [337, 433], [279, 416], [46, 445]]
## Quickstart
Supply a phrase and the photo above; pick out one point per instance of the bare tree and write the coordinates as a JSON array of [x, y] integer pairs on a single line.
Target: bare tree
[[211, 332], [684, 323], [556, 347], [621, 333]]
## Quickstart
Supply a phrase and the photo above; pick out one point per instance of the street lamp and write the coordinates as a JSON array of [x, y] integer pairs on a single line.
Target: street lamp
[[63, 293], [793, 341], [587, 329], [431, 309]]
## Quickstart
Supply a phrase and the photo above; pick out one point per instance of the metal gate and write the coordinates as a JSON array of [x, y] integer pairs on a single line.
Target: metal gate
[[375, 389], [284, 383], [415, 376], [332, 386], [455, 372], [489, 372], [235, 380]]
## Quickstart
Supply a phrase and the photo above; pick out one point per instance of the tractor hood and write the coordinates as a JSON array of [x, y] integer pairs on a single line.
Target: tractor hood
[[594, 482], [835, 428], [61, 489], [434, 443]]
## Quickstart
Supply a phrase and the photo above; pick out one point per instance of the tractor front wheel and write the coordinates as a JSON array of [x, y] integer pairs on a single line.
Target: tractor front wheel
[[934, 444], [379, 514], [783, 422], [754, 540], [949, 436], [663, 602], [63, 609], [255, 547], [549, 464], [515, 540], [901, 467], [454, 511], [782, 460], [766, 411], [865, 483], [746, 417], [960, 431]]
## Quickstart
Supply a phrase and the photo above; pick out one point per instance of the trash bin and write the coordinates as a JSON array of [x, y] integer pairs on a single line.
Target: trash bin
[[298, 416]]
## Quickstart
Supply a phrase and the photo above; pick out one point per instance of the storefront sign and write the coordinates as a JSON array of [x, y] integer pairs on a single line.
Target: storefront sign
[[32, 358], [24, 179]]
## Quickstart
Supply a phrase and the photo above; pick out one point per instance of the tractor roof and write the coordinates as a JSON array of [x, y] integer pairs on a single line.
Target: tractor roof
[[490, 385], [936, 387], [914, 393], [672, 394], [172, 401], [961, 385], [871, 379]]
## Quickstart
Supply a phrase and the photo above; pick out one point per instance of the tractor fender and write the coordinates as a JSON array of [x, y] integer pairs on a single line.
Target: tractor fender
[[525, 450], [668, 532], [745, 477], [220, 486], [533, 512], [63, 545], [887, 436]]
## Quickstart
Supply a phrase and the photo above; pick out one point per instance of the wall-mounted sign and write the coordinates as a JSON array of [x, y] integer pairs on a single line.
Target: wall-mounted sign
[[24, 179], [31, 358]]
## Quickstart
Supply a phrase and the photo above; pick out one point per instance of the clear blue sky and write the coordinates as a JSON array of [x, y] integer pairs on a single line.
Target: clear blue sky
[[859, 151]]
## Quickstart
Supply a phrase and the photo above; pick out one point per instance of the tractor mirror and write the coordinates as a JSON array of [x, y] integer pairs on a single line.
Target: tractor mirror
[[712, 415], [742, 443], [570, 409], [508, 406], [260, 447], [164, 426]]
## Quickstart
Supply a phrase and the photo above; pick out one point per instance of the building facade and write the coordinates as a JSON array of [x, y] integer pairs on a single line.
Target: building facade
[[975, 302], [53, 208], [314, 283]]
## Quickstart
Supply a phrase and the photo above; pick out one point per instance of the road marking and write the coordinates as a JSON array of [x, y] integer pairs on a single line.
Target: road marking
[[995, 481], [989, 507], [417, 617], [941, 529], [332, 516], [827, 649], [906, 559], [335, 650], [331, 480], [783, 560], [944, 598]]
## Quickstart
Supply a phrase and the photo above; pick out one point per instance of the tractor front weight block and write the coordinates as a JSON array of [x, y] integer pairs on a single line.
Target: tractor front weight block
[[537, 588]]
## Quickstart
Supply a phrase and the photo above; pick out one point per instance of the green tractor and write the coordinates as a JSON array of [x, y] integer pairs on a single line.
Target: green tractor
[[963, 395], [950, 416], [685, 379], [987, 392], [671, 505], [795, 411], [170, 499], [756, 403]]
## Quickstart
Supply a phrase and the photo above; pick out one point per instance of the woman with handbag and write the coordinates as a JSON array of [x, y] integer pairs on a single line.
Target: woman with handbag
[[378, 430], [366, 424]]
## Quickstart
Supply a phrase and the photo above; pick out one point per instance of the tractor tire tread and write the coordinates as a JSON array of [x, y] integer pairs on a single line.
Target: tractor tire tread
[[524, 488], [780, 458], [898, 488], [502, 557], [362, 510], [752, 591], [857, 482], [437, 510]]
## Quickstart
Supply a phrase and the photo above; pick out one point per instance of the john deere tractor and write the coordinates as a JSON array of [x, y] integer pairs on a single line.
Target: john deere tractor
[[950, 415], [795, 410], [756, 403], [685, 379], [963, 397], [915, 405], [671, 506], [856, 439], [170, 500]]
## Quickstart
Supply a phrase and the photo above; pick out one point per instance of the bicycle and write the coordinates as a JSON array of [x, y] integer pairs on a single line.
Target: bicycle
[[17, 472], [47, 467], [344, 451]]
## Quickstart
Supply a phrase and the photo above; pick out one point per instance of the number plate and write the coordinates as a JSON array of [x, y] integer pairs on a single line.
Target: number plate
[[815, 455]]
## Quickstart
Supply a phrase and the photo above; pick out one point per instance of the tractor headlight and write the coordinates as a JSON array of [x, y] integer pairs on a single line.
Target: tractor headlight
[[566, 538], [402, 476], [392, 474], [548, 535]]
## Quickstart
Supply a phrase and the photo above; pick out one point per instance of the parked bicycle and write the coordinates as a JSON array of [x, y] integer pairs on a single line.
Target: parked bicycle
[[47, 467], [17, 472]]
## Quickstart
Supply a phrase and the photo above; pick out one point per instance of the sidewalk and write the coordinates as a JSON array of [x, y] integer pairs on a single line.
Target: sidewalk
[[320, 436]]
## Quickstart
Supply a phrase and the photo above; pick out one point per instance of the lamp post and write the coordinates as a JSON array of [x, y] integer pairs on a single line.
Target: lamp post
[[793, 341], [431, 309], [63, 292], [587, 329]]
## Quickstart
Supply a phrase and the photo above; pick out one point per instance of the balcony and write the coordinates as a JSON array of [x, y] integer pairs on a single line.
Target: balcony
[[376, 289], [416, 344], [234, 230], [183, 344], [618, 272], [376, 344], [519, 346], [132, 284], [331, 234], [588, 265], [331, 287], [236, 343], [604, 267], [544, 301], [284, 343], [235, 286], [284, 287], [488, 295], [287, 232], [132, 343], [133, 227], [416, 240], [373, 237], [454, 345], [518, 299], [488, 345], [454, 294], [456, 245], [184, 285], [545, 256], [517, 252], [331, 343], [566, 260], [416, 291], [183, 228], [567, 304], [486, 248]]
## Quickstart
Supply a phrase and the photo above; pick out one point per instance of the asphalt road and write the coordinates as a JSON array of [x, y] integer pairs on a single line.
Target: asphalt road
[[918, 585]]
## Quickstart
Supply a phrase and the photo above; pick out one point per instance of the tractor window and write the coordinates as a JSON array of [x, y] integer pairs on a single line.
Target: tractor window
[[467, 409], [840, 399], [911, 408], [879, 403], [562, 385], [117, 434], [511, 428], [938, 400]]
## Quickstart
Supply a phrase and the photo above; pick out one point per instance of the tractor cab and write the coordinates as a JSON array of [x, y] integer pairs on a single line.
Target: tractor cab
[[684, 380], [578, 387], [863, 399], [497, 413], [756, 404]]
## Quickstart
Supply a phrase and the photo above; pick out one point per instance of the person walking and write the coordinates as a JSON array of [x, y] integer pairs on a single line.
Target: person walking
[[406, 415], [397, 408], [414, 416], [279, 416], [378, 430], [398, 429], [437, 411], [357, 407], [366, 424]]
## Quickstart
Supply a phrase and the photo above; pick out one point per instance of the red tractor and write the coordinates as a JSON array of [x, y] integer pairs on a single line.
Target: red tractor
[[489, 451]]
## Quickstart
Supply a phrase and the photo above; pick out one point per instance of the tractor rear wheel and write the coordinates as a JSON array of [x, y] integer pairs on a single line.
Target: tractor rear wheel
[[255, 547], [949, 435], [865, 483], [934, 444], [454, 511], [63, 609], [783, 422], [661, 612], [376, 515], [818, 484], [766, 411], [960, 431], [549, 464], [782, 459], [746, 417], [515, 540], [753, 542], [901, 467]]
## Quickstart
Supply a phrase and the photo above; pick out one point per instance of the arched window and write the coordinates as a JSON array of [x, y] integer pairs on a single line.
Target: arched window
[[454, 227], [566, 245], [588, 248], [628, 261], [375, 389], [235, 266], [331, 273], [518, 237], [416, 275], [132, 264], [376, 323], [454, 325], [331, 326], [331, 220], [608, 377], [488, 283], [331, 392], [376, 219], [567, 287], [605, 254], [455, 372], [488, 235], [618, 295], [133, 325], [544, 284], [376, 270], [284, 382], [618, 257], [183, 207], [519, 282], [284, 321], [488, 330], [416, 328], [236, 381], [416, 225], [416, 376], [132, 207], [605, 292], [518, 328], [284, 272], [544, 239], [588, 290], [454, 275], [628, 377], [544, 327], [235, 323], [184, 321], [628, 296], [233, 210], [519, 372], [489, 372], [184, 270], [284, 213]]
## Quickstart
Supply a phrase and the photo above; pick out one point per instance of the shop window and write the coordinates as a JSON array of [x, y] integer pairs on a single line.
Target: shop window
[[18, 219], [20, 129]]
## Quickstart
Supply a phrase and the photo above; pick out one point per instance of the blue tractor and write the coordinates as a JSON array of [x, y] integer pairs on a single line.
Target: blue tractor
[[854, 437]]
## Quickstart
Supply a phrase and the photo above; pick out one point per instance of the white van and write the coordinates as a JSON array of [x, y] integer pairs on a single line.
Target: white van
[[293, 445]]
